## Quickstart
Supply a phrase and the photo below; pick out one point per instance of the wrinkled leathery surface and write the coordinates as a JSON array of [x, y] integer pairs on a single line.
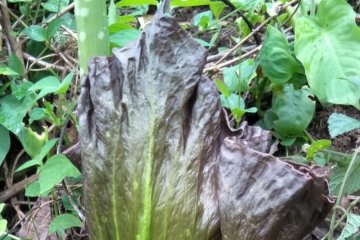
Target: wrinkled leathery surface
[[149, 133], [149, 136]]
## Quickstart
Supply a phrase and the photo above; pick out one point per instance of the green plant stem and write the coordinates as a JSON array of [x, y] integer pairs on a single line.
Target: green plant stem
[[312, 8], [93, 34], [341, 192]]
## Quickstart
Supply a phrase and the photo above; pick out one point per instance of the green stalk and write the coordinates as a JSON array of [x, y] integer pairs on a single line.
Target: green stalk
[[93, 34]]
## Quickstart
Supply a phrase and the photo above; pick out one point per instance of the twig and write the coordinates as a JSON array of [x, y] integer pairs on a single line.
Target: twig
[[17, 187], [43, 63], [225, 64]]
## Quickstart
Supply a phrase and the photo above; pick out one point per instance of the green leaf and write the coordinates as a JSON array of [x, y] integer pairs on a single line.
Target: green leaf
[[37, 160], [36, 33], [190, 3], [64, 221], [293, 109], [32, 141], [20, 90], [340, 123], [325, 45], [248, 5], [3, 227], [36, 114], [46, 85], [33, 189], [136, 2], [275, 58], [55, 170], [217, 8], [222, 88], [65, 84], [353, 183], [12, 111], [16, 65], [4, 70], [239, 76], [351, 227], [203, 19], [53, 27], [123, 37], [55, 5], [232, 102], [316, 146], [5, 143]]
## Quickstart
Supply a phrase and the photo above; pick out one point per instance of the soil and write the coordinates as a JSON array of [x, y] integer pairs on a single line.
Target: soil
[[318, 128]]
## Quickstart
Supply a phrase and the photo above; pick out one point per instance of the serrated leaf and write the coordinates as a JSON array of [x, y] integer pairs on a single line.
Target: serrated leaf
[[275, 58], [55, 170], [352, 226], [222, 88], [37, 160], [330, 65], [46, 85], [339, 123], [5, 143], [353, 183], [316, 146], [55, 5], [36, 33], [64, 221], [294, 111]]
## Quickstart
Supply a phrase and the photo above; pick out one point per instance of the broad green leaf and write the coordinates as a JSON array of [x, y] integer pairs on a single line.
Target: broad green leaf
[[31, 140], [63, 222], [36, 33], [352, 184], [326, 44], [5, 143], [275, 58], [136, 2], [238, 77], [222, 88], [53, 27], [293, 109], [12, 111], [340, 123], [16, 65], [232, 102], [55, 5], [46, 85], [125, 36], [3, 227], [316, 147], [33, 189], [65, 84], [352, 227], [20, 90], [36, 114], [37, 160], [217, 8], [5, 70], [248, 5], [54, 171]]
